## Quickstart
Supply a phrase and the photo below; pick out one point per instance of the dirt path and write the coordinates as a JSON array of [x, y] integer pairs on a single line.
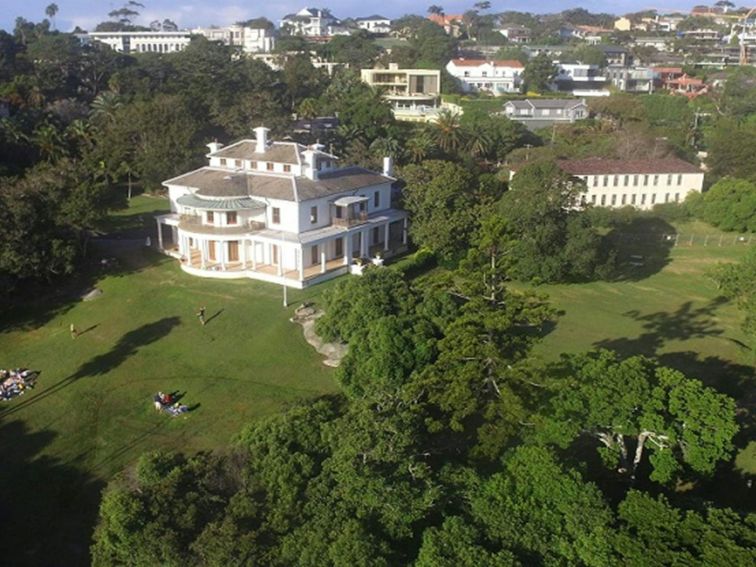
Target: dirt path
[[333, 352]]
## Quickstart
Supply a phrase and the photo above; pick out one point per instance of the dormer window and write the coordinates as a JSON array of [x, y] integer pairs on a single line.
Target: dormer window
[[253, 165], [210, 217], [231, 217], [287, 168], [237, 163], [269, 166], [223, 162]]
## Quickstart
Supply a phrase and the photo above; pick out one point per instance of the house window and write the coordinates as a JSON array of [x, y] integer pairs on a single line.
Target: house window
[[467, 73], [485, 73], [606, 180], [624, 198], [339, 246], [656, 180], [339, 213], [645, 180], [603, 200], [253, 165], [635, 180], [315, 256], [313, 215], [276, 215], [627, 180], [643, 199], [632, 199], [666, 198], [593, 199], [223, 162], [614, 200], [210, 217], [616, 180], [377, 199], [669, 179], [231, 217], [287, 168], [677, 197], [679, 180], [595, 180], [269, 166], [237, 163]]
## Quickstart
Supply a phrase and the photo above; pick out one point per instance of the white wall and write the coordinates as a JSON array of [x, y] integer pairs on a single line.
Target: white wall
[[640, 190]]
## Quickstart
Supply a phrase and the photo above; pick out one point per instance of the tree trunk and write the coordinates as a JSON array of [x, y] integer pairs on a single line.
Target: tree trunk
[[129, 177], [639, 451]]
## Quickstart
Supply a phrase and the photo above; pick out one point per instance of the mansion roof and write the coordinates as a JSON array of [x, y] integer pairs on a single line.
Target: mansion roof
[[220, 183], [601, 166], [278, 152], [460, 62], [564, 103]]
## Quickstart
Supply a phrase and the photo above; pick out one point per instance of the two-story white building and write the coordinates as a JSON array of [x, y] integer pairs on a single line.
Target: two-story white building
[[374, 24], [279, 212], [140, 41], [250, 40], [639, 183], [312, 22], [496, 77]]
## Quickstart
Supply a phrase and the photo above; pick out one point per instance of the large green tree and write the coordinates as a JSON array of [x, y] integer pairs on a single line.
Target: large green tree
[[633, 407]]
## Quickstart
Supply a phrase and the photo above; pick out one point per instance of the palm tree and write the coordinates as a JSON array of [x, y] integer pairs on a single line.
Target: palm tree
[[420, 147], [308, 108], [447, 131], [50, 12], [479, 144], [80, 132], [48, 140], [105, 105], [386, 147]]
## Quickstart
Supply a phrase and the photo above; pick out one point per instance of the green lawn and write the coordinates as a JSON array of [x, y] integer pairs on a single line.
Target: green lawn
[[92, 413]]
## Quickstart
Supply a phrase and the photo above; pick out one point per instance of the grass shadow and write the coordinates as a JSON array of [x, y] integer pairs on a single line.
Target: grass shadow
[[47, 509], [643, 246]]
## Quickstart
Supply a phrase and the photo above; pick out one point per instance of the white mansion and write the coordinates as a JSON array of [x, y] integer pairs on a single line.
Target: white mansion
[[279, 212]]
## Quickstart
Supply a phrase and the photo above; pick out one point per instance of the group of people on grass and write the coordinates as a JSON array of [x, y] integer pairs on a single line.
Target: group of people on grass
[[169, 404], [15, 382]]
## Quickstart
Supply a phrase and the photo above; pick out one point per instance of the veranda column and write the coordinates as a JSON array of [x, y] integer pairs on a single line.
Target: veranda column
[[404, 231], [243, 253], [280, 258], [203, 253], [347, 249], [363, 244], [160, 234], [300, 263], [254, 255], [386, 237], [323, 261]]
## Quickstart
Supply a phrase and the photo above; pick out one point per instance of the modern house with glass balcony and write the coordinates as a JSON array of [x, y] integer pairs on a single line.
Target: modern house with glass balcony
[[414, 94], [279, 212]]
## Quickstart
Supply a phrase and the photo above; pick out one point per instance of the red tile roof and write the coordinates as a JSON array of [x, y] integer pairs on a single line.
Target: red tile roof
[[601, 166], [495, 62]]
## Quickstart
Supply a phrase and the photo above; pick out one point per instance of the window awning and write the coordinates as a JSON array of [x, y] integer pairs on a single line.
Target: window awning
[[350, 200]]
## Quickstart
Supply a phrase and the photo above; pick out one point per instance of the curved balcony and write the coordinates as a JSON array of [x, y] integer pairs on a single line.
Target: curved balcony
[[193, 224]]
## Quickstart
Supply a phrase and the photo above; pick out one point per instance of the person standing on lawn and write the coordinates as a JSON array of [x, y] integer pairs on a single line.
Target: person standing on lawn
[[201, 315], [74, 332]]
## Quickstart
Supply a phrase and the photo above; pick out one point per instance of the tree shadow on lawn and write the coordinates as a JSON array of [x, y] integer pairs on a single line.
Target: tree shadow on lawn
[[47, 509], [686, 322], [34, 306], [643, 246], [127, 346]]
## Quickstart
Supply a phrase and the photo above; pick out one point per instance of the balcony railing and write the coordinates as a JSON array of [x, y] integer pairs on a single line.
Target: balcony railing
[[193, 223], [348, 221]]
